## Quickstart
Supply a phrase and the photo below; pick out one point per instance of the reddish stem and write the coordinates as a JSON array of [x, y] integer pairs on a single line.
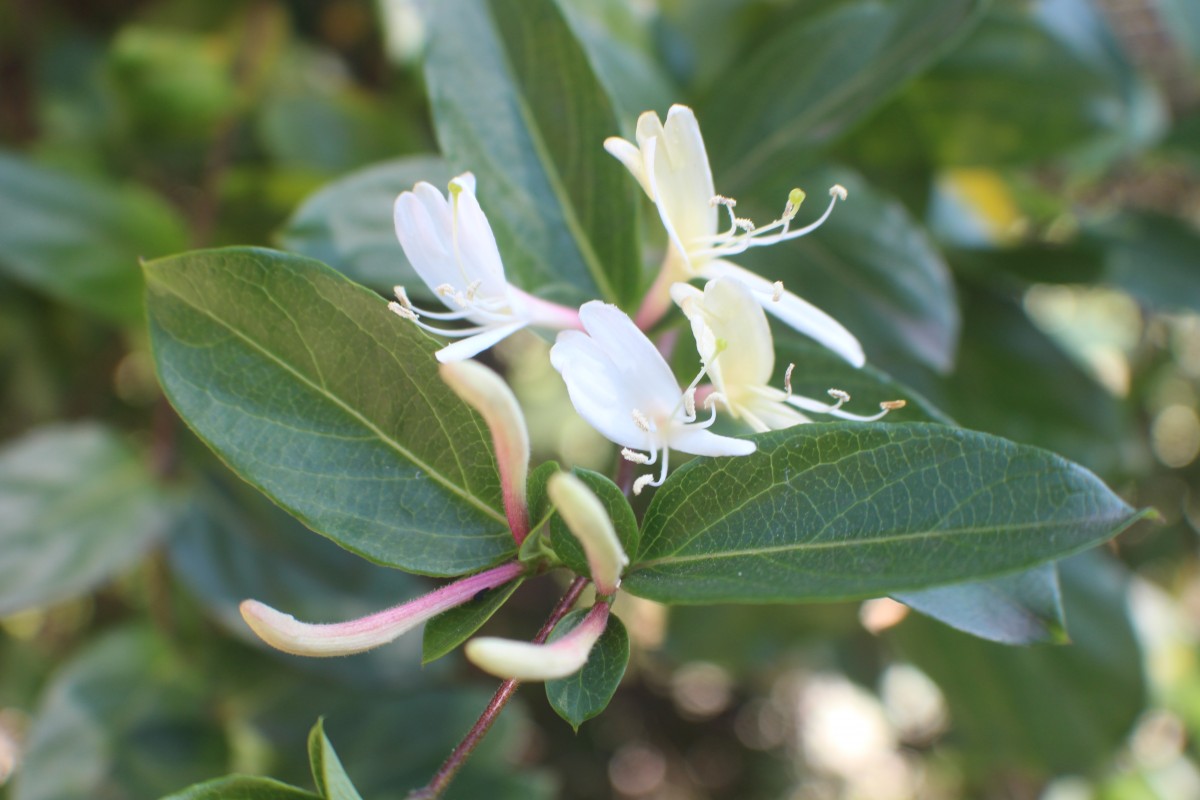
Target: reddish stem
[[445, 774]]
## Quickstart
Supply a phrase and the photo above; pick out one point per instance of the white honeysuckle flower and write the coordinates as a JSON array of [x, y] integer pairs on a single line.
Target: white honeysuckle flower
[[490, 395], [450, 244], [525, 661], [284, 632], [588, 520], [620, 384], [671, 163], [735, 346]]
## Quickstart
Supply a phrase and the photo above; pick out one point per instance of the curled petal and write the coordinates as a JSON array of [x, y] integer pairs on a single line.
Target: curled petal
[[587, 518], [489, 394], [525, 661], [284, 632]]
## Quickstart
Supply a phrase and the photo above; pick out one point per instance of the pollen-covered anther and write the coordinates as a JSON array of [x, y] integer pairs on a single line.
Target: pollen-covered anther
[[721, 200], [787, 379], [838, 191], [892, 405], [641, 483], [840, 396], [689, 403], [634, 456], [713, 398], [776, 291], [640, 420], [402, 311], [446, 290], [401, 296], [745, 224]]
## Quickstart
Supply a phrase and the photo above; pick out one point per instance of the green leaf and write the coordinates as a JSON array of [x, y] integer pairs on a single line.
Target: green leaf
[[819, 71], [451, 628], [243, 787], [80, 241], [1014, 609], [515, 100], [348, 223], [332, 781], [1057, 709], [871, 266], [535, 491], [125, 717], [1153, 257], [579, 697], [311, 390], [76, 507], [843, 510], [568, 548], [230, 543]]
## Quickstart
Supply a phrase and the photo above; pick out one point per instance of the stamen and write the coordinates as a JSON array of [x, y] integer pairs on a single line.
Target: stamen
[[721, 200], [472, 289], [640, 420], [776, 291], [838, 191], [634, 456], [689, 404], [787, 379], [402, 296], [711, 401], [641, 482], [892, 405], [744, 223], [402, 311], [841, 397]]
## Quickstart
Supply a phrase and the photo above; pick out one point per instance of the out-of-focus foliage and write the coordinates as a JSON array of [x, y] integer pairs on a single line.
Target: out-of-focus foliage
[[1020, 254]]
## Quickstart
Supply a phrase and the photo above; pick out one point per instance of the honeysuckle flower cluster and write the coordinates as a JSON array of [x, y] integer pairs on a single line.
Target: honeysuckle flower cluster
[[618, 379]]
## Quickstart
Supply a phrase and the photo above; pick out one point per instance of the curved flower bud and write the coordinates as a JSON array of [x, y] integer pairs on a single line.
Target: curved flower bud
[[620, 384], [671, 164], [490, 395], [525, 661], [734, 342], [587, 518], [451, 246], [284, 632]]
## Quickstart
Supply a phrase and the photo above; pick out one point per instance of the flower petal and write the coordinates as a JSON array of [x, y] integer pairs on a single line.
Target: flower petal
[[631, 156], [700, 442], [474, 345]]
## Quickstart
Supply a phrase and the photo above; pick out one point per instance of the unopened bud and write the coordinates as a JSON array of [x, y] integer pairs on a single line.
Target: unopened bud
[[588, 520], [525, 661]]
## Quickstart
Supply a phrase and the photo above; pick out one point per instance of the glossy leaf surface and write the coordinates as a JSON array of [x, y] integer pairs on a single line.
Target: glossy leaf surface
[[579, 697]]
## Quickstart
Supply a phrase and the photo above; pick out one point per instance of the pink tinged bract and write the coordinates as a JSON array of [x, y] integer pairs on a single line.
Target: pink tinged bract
[[284, 632]]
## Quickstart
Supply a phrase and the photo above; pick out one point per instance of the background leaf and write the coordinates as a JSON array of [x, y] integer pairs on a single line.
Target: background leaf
[[515, 100], [1013, 609], [309, 388], [579, 697], [243, 787], [840, 510], [348, 223], [76, 507], [328, 773], [80, 241]]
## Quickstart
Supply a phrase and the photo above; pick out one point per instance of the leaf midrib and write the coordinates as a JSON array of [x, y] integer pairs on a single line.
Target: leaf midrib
[[338, 402]]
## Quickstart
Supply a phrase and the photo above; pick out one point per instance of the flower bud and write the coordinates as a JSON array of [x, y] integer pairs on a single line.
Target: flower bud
[[525, 661], [587, 518]]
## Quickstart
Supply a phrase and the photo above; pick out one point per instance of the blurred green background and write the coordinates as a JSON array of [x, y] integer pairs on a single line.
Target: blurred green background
[[1021, 247]]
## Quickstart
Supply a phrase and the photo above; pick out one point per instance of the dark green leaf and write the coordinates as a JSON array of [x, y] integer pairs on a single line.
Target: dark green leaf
[[870, 265], [1080, 261], [1153, 257], [76, 507], [1014, 609], [1054, 403], [535, 491], [230, 543], [348, 223], [1059, 709], [310, 389], [451, 628], [579, 697], [841, 510], [332, 781], [243, 787], [819, 71], [125, 718], [515, 100], [80, 241], [568, 548]]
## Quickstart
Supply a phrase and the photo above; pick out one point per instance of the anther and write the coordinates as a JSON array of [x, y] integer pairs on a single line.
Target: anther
[[722, 200], [787, 379], [776, 291], [641, 483], [892, 405], [402, 296], [795, 198], [839, 395], [472, 289], [640, 420], [634, 456], [689, 403], [838, 191], [402, 311], [745, 224]]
